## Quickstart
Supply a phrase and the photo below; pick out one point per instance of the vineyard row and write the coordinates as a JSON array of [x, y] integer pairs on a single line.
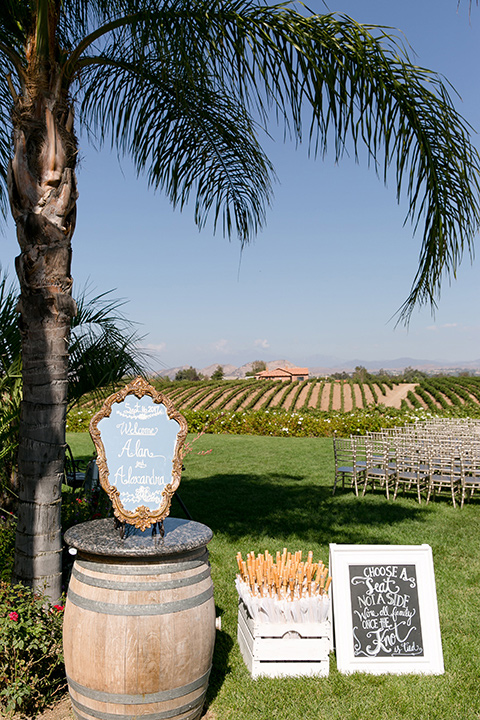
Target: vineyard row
[[433, 394]]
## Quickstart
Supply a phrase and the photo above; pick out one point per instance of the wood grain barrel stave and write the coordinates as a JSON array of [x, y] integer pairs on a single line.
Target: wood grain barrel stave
[[139, 637]]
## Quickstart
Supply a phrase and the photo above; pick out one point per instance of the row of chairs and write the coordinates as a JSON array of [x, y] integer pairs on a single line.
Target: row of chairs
[[425, 458]]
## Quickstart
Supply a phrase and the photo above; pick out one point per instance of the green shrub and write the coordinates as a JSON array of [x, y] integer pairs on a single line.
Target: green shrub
[[414, 400], [79, 418], [352, 392], [31, 656], [330, 397], [31, 660], [362, 393], [320, 393], [307, 423], [435, 390], [79, 507], [448, 387], [373, 390], [426, 397]]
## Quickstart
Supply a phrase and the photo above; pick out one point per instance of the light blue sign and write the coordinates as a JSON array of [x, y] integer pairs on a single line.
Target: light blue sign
[[139, 440]]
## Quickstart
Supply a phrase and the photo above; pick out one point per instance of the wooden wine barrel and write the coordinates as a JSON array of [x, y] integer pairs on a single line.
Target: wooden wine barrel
[[139, 623]]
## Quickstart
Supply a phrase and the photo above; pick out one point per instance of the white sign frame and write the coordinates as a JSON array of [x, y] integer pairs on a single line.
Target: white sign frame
[[344, 556]]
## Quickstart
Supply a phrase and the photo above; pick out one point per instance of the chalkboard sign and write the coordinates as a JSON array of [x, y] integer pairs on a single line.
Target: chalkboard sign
[[138, 435], [385, 615], [385, 609]]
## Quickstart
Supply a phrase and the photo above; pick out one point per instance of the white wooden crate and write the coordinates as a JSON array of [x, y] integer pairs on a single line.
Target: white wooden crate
[[284, 649]]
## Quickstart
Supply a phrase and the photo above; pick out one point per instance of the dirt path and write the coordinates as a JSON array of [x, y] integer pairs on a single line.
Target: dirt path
[[287, 404], [314, 396], [436, 402], [261, 401], [278, 395], [61, 710], [301, 398], [380, 395], [325, 396], [337, 396], [347, 397], [394, 397], [368, 395], [232, 402], [352, 396], [205, 400]]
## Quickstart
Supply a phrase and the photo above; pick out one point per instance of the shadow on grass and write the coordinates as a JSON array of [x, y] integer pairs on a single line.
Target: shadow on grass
[[241, 505], [220, 665]]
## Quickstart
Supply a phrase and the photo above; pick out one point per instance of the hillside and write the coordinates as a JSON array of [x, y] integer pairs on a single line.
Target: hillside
[[313, 408], [440, 393], [325, 365]]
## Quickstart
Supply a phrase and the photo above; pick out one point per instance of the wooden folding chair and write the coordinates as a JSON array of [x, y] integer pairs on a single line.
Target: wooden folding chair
[[345, 455]]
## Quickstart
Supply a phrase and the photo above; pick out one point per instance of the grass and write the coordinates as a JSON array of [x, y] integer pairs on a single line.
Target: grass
[[264, 493], [82, 447]]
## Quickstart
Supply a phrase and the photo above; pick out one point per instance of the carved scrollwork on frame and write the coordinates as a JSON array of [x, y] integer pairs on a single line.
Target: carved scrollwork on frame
[[138, 435]]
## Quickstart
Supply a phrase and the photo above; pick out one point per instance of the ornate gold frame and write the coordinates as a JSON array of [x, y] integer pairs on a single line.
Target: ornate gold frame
[[142, 517]]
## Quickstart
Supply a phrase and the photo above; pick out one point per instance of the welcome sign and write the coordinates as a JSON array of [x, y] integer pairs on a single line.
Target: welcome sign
[[138, 435], [385, 609]]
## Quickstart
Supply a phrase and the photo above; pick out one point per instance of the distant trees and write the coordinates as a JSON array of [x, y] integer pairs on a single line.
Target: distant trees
[[361, 374], [218, 373], [188, 374], [340, 375], [412, 375], [257, 366]]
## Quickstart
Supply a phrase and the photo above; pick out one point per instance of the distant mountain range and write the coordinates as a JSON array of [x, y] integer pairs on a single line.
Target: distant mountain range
[[230, 371], [326, 365]]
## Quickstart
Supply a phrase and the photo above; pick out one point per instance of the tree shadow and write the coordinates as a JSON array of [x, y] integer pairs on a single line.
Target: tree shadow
[[241, 505]]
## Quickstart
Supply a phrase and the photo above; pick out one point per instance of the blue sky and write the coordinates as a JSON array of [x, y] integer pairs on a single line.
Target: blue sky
[[328, 272]]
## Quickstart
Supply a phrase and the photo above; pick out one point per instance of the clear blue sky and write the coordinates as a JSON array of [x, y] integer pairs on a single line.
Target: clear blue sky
[[328, 272]]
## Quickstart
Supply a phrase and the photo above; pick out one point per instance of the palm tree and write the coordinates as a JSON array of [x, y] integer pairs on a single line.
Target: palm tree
[[184, 87]]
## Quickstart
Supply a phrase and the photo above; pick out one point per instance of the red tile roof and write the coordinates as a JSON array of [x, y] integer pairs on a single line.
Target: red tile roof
[[283, 372]]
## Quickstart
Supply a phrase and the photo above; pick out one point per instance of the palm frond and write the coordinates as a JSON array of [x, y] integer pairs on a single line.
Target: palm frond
[[352, 82], [96, 368], [16, 17], [10, 399], [5, 137], [104, 346], [156, 83], [9, 332], [184, 85], [189, 140]]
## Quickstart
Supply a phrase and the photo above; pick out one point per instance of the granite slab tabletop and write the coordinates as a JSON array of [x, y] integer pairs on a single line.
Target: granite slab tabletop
[[100, 537]]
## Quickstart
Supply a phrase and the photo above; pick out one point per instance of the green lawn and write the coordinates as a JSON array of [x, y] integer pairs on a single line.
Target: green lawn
[[82, 446], [264, 493]]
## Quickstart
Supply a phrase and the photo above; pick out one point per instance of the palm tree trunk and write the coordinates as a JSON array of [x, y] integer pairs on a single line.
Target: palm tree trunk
[[43, 195]]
